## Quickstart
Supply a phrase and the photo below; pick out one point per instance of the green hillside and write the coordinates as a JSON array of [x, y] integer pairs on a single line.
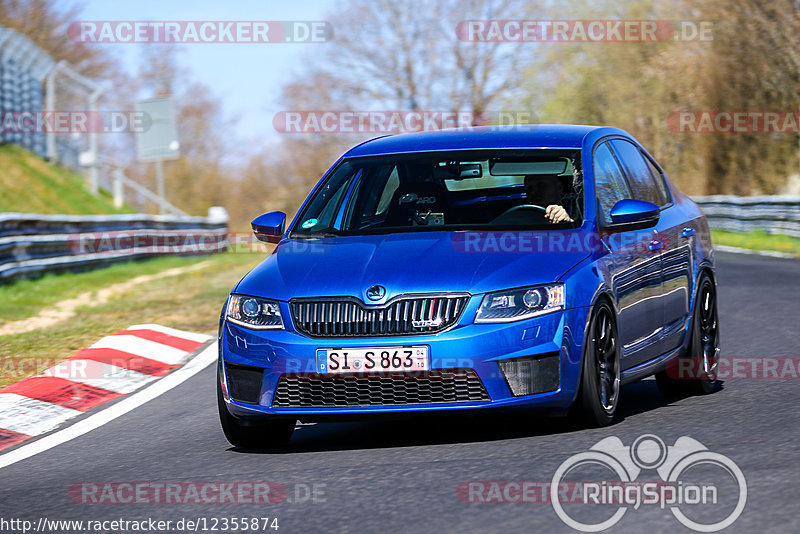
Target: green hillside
[[28, 184]]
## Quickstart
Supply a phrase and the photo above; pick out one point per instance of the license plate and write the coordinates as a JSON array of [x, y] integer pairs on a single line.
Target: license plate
[[372, 359]]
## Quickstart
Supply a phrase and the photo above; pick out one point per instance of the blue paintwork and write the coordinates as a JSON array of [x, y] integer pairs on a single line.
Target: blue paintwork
[[631, 210], [269, 226], [402, 263], [651, 291]]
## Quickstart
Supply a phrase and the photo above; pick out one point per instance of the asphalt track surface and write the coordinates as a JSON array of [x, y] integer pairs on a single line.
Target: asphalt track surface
[[402, 476]]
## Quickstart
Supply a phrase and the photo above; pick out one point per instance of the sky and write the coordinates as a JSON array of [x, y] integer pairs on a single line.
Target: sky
[[247, 77]]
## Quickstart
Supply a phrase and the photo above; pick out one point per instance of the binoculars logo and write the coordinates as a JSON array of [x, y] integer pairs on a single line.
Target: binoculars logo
[[671, 463]]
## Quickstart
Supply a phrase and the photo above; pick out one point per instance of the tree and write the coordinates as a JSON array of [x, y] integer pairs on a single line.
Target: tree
[[44, 23], [396, 56], [751, 64]]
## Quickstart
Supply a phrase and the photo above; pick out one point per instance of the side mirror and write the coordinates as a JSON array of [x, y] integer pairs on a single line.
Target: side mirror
[[630, 211], [269, 227]]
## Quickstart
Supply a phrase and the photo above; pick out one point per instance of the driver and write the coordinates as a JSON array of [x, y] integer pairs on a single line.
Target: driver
[[545, 191]]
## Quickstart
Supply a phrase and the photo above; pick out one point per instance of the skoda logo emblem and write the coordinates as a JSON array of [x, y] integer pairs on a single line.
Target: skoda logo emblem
[[376, 292]]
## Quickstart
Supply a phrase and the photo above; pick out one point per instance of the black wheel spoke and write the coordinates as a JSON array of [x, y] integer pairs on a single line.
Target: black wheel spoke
[[708, 310], [609, 347], [605, 355], [711, 303], [708, 331]]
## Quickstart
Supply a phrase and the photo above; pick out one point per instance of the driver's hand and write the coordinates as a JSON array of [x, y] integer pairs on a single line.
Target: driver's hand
[[557, 214]]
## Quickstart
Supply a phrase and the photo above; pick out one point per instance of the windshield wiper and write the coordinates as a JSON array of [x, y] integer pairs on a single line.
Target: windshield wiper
[[325, 232]]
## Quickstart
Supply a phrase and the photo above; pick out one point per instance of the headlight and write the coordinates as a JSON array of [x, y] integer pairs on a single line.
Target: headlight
[[254, 312], [518, 304]]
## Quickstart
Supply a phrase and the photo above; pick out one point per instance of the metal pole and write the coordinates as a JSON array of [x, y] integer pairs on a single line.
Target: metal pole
[[160, 186], [93, 148], [118, 189], [93, 168], [50, 104]]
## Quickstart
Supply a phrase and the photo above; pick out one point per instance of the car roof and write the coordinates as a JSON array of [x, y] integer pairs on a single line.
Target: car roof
[[568, 136]]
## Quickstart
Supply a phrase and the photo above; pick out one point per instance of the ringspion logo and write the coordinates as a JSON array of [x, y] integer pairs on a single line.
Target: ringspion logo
[[704, 490]]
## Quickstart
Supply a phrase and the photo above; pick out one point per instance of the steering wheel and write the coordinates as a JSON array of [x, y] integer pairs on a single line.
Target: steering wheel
[[530, 209]]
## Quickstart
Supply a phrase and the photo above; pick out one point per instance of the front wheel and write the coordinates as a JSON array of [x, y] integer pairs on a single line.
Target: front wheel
[[600, 377], [702, 358], [271, 434]]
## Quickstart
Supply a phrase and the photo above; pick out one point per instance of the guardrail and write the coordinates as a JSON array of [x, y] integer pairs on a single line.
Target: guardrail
[[772, 214], [32, 244]]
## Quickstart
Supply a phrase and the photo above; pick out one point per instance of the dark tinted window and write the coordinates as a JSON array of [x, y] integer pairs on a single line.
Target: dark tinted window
[[429, 190], [609, 182], [642, 181], [659, 178]]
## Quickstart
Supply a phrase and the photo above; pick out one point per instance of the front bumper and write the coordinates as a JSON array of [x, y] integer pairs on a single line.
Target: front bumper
[[478, 347]]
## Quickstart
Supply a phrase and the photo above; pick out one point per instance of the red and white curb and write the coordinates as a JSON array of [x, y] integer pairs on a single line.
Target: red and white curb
[[116, 365]]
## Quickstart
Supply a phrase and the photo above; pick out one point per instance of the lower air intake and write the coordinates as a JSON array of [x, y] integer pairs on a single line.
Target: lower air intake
[[244, 382], [532, 375], [311, 390]]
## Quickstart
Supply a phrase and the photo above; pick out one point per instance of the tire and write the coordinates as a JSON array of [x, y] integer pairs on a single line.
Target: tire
[[598, 395], [269, 434], [702, 356]]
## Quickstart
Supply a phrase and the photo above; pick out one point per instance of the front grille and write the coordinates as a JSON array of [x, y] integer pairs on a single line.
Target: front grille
[[310, 390], [347, 317]]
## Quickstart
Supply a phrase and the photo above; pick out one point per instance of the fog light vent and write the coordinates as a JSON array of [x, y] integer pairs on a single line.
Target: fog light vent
[[532, 375], [244, 382]]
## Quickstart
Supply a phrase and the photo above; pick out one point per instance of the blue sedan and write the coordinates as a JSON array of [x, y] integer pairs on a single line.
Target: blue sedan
[[534, 267]]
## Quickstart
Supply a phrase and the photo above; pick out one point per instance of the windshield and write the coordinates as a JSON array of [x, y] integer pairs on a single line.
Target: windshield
[[461, 190]]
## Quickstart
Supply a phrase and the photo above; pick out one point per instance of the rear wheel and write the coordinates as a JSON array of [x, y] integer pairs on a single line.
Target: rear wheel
[[600, 378], [702, 358], [270, 434]]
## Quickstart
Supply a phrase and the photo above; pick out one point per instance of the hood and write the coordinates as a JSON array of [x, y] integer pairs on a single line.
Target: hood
[[413, 262]]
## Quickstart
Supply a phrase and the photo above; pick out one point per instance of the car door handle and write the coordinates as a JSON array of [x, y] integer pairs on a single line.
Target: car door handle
[[687, 232], [655, 245]]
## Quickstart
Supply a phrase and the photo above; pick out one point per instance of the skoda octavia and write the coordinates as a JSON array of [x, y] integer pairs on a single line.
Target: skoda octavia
[[531, 267]]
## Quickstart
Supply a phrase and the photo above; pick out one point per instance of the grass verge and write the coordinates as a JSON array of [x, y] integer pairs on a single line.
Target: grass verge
[[28, 184], [191, 302], [757, 241], [24, 298]]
